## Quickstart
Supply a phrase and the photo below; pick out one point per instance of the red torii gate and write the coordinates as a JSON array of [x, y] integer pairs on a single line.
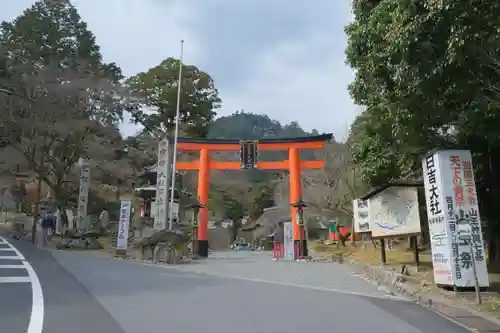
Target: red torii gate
[[204, 165]]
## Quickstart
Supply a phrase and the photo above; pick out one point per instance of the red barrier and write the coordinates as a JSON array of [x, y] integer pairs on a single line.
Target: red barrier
[[343, 232], [278, 251], [296, 251]]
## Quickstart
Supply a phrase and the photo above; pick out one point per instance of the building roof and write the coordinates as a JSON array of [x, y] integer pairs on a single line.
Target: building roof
[[270, 217], [268, 222], [153, 169], [145, 188], [150, 191], [379, 189]]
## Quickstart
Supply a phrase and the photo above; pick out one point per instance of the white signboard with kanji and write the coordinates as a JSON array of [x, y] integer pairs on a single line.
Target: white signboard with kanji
[[83, 195], [361, 212], [162, 186], [123, 225], [288, 246], [454, 220]]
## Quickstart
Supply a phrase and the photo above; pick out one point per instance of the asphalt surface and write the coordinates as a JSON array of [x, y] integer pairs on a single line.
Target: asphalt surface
[[67, 305], [15, 291], [237, 293]]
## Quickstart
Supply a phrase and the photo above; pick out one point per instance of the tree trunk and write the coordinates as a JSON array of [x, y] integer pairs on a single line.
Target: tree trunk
[[234, 231], [488, 195], [64, 216], [341, 239], [36, 213], [494, 255]]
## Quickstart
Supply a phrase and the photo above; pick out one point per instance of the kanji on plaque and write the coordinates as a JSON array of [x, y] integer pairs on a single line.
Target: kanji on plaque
[[435, 208], [457, 180], [477, 241], [469, 182]]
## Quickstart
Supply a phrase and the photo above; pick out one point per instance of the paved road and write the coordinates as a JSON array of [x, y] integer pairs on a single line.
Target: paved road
[[237, 293], [15, 290], [63, 306], [245, 292]]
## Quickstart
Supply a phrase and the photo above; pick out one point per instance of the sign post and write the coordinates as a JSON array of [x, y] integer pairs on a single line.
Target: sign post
[[457, 244], [288, 243], [123, 226], [162, 186], [477, 288], [83, 195], [361, 212]]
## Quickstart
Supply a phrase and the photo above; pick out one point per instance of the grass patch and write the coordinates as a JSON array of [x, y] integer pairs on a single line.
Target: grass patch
[[104, 241]]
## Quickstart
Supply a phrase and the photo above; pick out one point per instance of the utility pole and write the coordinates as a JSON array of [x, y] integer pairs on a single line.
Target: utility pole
[[176, 137]]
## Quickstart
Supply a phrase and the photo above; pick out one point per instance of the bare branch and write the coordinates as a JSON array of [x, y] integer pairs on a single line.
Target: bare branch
[[332, 189]]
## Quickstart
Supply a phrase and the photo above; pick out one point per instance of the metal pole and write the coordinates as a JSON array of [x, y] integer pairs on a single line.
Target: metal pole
[[176, 137], [474, 271]]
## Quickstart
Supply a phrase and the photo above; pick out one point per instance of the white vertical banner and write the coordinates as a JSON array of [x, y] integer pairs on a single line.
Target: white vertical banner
[[71, 218], [454, 219], [162, 186], [438, 224], [123, 225], [288, 243], [83, 195], [361, 212]]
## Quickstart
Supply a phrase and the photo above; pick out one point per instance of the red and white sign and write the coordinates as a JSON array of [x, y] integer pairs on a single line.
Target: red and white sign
[[454, 220]]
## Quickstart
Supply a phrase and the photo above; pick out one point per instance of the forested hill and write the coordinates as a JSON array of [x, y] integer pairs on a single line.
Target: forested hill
[[249, 126]]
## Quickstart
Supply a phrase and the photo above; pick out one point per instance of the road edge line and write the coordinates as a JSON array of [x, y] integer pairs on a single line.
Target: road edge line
[[37, 301]]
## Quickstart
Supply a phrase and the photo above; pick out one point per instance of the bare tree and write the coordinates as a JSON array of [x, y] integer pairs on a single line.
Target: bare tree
[[53, 117], [492, 86], [332, 189]]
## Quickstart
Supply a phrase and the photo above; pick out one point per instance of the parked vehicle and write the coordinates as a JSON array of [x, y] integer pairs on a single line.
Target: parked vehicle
[[241, 247]]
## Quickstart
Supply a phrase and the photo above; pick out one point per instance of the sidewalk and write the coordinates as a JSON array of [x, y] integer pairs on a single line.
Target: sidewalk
[[467, 317], [470, 318]]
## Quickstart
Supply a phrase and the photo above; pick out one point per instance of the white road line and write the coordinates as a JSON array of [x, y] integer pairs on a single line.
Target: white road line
[[6, 249], [12, 266], [37, 305], [14, 279], [12, 258]]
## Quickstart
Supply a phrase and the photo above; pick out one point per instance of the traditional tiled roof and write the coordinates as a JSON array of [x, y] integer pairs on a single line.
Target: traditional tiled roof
[[322, 137], [268, 222]]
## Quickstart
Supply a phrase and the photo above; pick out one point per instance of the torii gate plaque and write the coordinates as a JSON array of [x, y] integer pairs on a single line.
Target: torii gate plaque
[[249, 151]]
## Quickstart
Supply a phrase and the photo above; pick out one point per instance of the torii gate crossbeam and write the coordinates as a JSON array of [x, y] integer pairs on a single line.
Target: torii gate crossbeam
[[205, 164]]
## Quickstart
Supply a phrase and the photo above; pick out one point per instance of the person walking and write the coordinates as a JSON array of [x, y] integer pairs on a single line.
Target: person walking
[[48, 223]]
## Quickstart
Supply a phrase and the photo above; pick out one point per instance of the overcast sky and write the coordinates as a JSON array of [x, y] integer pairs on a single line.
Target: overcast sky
[[283, 58]]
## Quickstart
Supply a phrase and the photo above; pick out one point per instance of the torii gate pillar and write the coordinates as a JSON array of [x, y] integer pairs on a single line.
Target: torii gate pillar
[[203, 187], [295, 188]]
